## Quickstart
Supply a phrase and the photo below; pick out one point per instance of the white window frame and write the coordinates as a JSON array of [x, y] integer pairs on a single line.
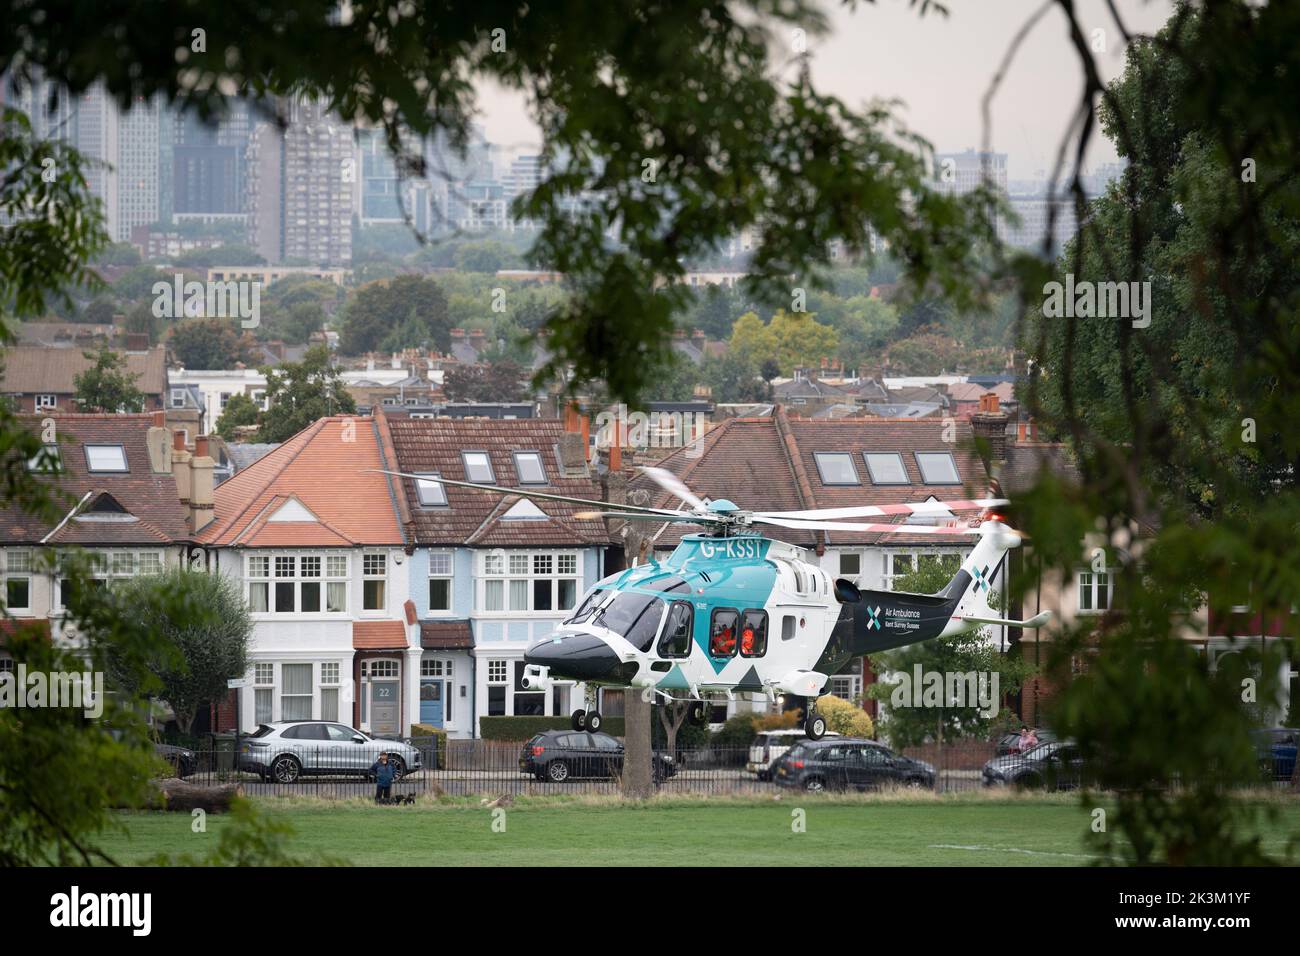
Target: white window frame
[[329, 575], [381, 577], [1092, 585], [113, 564], [25, 557], [449, 575], [46, 401], [541, 464], [126, 465], [508, 574]]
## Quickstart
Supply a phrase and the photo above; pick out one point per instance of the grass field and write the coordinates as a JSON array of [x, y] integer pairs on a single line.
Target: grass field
[[883, 831]]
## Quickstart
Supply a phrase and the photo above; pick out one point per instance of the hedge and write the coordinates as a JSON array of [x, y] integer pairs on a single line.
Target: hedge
[[523, 728]]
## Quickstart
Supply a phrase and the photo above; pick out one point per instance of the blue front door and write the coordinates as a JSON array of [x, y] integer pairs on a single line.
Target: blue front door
[[431, 702]]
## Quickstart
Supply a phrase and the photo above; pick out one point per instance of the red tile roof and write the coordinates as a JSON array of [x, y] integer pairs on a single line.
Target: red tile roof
[[746, 461], [329, 468], [150, 497], [378, 635], [434, 445], [446, 635]]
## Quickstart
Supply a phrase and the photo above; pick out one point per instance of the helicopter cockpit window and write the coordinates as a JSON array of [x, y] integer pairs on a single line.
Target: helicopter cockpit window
[[753, 634], [722, 633], [635, 616], [787, 627], [588, 606], [676, 641]]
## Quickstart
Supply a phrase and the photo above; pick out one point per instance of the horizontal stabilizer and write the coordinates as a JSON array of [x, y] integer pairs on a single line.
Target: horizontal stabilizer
[[1038, 620]]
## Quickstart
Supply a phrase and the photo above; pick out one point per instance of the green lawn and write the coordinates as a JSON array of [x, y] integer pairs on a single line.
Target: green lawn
[[1044, 831]]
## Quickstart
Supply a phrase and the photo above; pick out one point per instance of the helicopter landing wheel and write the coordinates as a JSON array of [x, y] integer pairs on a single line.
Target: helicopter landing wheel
[[815, 726], [594, 720], [579, 720]]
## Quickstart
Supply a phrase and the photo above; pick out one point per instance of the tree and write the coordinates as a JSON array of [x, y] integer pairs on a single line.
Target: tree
[[99, 311], [485, 257], [141, 319], [497, 382], [733, 378], [864, 326], [694, 84], [943, 719], [240, 411], [301, 392], [207, 344], [408, 310], [792, 339], [107, 386], [213, 647], [303, 319]]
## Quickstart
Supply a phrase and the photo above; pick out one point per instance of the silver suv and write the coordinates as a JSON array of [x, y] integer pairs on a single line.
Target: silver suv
[[284, 751]]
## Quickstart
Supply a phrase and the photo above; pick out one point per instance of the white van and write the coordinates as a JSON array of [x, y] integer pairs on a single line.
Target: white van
[[770, 745]]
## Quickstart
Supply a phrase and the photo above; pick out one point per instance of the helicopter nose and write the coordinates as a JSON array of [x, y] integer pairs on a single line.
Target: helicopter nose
[[576, 656]]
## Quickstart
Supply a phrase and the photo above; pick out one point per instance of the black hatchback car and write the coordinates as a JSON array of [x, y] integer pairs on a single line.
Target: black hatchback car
[[848, 763], [560, 755], [1054, 766]]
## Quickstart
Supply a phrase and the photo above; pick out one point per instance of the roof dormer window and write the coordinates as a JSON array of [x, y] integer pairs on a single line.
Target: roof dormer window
[[106, 458]]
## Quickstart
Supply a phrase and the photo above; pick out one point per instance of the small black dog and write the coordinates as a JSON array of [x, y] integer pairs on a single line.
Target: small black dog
[[401, 798]]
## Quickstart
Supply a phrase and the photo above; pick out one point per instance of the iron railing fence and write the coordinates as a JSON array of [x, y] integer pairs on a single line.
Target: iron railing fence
[[557, 765]]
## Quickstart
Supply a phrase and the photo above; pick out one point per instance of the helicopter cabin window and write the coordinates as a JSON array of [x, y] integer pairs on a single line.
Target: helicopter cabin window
[[635, 616], [753, 634], [836, 468], [676, 641], [787, 627], [722, 633]]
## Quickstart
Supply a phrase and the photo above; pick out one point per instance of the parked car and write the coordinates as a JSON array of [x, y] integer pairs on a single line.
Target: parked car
[[286, 750], [1010, 743], [770, 746], [849, 763], [1275, 749], [560, 755], [1055, 766], [183, 761]]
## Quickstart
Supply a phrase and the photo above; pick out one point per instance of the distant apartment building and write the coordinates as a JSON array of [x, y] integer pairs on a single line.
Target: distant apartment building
[[300, 187], [1037, 215], [960, 173], [137, 177]]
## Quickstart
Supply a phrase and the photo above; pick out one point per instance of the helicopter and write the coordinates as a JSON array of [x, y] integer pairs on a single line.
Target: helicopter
[[733, 611]]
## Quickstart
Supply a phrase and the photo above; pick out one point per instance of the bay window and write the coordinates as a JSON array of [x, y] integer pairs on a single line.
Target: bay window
[[107, 567], [291, 583], [529, 581]]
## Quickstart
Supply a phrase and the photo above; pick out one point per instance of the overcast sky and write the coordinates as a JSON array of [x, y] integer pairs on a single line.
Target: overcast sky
[[940, 68]]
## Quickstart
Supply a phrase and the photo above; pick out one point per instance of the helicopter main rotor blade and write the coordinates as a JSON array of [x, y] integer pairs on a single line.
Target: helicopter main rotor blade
[[661, 513], [865, 511], [805, 525], [678, 516], [670, 483]]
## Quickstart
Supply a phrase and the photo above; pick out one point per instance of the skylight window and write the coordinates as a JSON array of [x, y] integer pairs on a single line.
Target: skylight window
[[528, 464], [836, 468], [886, 468], [937, 468], [478, 467], [431, 493], [105, 458]]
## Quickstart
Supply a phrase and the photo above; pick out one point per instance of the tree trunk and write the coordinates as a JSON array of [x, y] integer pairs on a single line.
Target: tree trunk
[[638, 782], [181, 796], [672, 716]]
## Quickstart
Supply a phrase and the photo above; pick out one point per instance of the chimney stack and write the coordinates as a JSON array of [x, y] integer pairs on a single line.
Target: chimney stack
[[990, 425], [201, 485], [159, 442], [181, 469]]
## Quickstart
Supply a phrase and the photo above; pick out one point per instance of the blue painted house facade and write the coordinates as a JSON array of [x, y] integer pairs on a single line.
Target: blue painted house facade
[[492, 574]]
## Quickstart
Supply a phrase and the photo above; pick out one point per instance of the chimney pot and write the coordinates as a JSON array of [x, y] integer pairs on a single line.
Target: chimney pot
[[201, 446], [159, 419], [178, 441]]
